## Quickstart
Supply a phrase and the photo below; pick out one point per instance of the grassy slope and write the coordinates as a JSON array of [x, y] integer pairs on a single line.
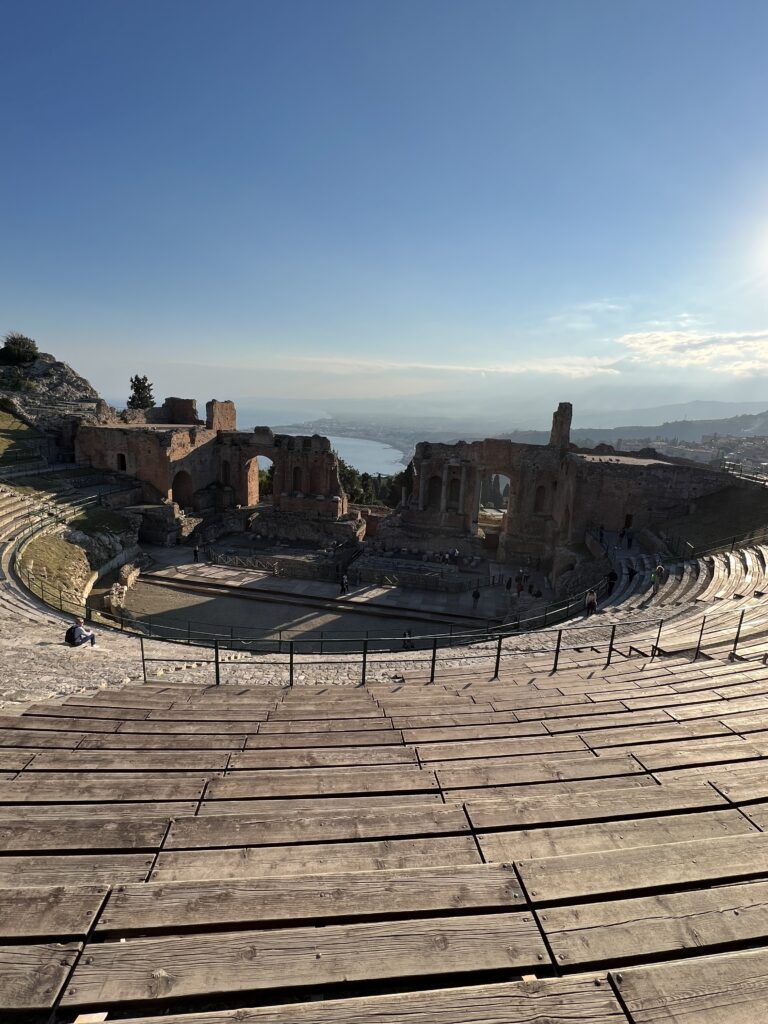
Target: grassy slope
[[16, 438]]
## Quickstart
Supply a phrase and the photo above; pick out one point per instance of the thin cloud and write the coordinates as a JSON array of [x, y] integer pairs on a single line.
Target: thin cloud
[[574, 367], [736, 354]]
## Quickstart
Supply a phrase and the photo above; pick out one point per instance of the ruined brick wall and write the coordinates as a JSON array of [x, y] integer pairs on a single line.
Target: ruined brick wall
[[220, 415]]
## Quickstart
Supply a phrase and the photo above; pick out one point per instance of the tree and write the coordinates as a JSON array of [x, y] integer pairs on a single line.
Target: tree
[[141, 393], [18, 349]]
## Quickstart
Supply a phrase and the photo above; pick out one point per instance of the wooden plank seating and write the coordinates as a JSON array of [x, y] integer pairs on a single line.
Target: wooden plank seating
[[179, 906], [391, 852], [59, 912], [726, 989], [159, 970], [569, 1000], [32, 976]]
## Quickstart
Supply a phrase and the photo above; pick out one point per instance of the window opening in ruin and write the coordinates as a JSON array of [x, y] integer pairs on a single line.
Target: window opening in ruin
[[298, 479], [540, 499], [181, 489], [122, 464], [454, 492], [434, 491]]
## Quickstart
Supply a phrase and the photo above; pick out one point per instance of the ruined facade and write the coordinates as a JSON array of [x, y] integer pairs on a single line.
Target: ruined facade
[[556, 491], [212, 466]]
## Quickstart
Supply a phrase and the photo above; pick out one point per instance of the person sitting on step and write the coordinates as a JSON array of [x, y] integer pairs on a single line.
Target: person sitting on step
[[79, 634]]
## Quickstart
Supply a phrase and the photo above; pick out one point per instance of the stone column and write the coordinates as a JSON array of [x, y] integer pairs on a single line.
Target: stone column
[[463, 488], [444, 489], [422, 487]]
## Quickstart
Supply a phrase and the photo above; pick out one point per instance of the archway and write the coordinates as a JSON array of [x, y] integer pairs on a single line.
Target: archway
[[454, 493], [266, 479], [181, 489], [494, 492]]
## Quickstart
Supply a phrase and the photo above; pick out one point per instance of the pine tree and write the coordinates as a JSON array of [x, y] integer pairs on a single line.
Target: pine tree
[[141, 393]]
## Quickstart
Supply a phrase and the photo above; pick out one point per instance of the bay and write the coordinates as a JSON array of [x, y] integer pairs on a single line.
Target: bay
[[368, 456]]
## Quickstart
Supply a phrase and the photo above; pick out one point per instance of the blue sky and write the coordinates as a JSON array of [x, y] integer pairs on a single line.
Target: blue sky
[[454, 204]]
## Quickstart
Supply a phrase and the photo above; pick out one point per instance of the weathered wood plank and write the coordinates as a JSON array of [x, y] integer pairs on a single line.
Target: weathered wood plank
[[45, 912], [584, 723], [15, 760], [449, 721], [325, 757], [320, 805], [24, 836], [243, 727], [178, 906], [52, 710], [321, 858], [600, 740], [570, 1000], [158, 970], [73, 787], [515, 812], [139, 741], [526, 844], [324, 739], [621, 930], [75, 869], [146, 761], [31, 977], [502, 775], [474, 732], [654, 757], [307, 782], [117, 811], [42, 740], [501, 748], [61, 724], [645, 867], [731, 988], [329, 725], [258, 830]]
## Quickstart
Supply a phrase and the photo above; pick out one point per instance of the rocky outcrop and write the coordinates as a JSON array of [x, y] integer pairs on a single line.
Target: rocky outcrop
[[46, 393]]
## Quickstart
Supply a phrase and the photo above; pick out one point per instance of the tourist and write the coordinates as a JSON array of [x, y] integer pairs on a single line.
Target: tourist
[[654, 582], [519, 586], [78, 634], [591, 603], [612, 579], [629, 540], [622, 535], [509, 585], [196, 552], [475, 597]]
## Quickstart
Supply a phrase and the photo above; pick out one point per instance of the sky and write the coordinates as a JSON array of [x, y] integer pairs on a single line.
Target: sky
[[413, 205]]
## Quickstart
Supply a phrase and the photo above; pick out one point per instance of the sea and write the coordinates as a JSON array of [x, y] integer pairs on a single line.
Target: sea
[[369, 456]]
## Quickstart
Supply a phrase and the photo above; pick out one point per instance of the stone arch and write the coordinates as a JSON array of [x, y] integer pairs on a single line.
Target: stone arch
[[434, 491], [540, 499], [182, 490], [454, 492]]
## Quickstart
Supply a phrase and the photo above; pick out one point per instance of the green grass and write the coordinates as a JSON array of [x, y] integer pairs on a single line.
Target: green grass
[[67, 564], [17, 439]]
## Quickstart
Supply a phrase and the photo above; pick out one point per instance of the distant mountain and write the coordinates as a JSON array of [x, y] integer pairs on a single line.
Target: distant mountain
[[697, 410]]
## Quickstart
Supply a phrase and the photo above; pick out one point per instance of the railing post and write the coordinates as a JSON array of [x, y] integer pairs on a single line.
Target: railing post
[[290, 662], [738, 634], [701, 634], [498, 659], [557, 650], [655, 648], [143, 661], [322, 637], [545, 616], [365, 658], [216, 660], [610, 645], [434, 660]]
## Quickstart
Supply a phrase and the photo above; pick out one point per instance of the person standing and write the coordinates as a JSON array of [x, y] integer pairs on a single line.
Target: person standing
[[591, 603], [196, 552], [475, 597]]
